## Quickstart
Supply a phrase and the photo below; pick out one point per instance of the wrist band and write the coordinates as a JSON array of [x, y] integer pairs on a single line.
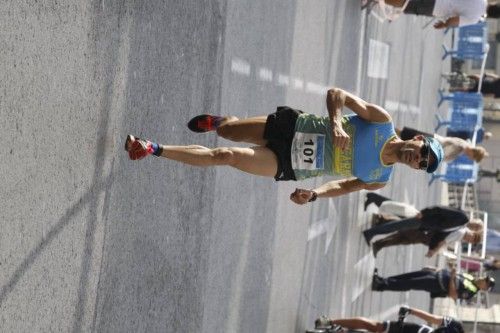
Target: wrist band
[[314, 196]]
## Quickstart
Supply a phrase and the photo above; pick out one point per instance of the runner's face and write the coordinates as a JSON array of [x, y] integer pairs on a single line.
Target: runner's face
[[415, 154]]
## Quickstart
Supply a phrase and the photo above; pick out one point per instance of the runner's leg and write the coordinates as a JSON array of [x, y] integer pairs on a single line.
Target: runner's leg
[[255, 160], [360, 323], [249, 130]]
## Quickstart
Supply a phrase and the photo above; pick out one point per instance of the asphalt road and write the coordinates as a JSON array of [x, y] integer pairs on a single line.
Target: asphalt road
[[94, 242]]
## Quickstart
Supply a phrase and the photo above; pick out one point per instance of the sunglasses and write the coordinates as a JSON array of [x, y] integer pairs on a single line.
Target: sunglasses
[[424, 151]]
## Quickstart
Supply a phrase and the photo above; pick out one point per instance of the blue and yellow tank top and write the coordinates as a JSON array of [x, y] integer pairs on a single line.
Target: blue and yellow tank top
[[313, 153]]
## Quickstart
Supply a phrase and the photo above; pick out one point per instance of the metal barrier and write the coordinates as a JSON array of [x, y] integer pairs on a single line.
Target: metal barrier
[[482, 297], [469, 311]]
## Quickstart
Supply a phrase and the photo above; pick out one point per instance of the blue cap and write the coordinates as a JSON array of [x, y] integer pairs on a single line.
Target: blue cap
[[437, 151]]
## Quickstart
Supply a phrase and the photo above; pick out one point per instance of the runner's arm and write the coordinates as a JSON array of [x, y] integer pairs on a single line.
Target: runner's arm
[[367, 111], [333, 189], [336, 99], [428, 317]]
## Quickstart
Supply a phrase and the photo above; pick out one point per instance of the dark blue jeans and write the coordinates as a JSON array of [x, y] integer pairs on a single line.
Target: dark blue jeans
[[398, 225], [419, 280]]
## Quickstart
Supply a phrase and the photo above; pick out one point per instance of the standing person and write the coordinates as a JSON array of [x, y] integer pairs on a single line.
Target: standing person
[[454, 144], [453, 13], [361, 148], [434, 240], [434, 218], [439, 283], [490, 86], [444, 323]]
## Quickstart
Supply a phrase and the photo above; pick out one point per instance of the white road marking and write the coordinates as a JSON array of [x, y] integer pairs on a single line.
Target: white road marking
[[377, 17], [360, 57], [389, 313], [317, 229], [283, 80], [332, 214], [364, 270], [298, 84], [394, 106], [316, 88], [240, 66], [327, 226], [378, 59], [265, 74]]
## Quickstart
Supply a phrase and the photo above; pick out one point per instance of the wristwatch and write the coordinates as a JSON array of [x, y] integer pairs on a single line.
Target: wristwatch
[[314, 196]]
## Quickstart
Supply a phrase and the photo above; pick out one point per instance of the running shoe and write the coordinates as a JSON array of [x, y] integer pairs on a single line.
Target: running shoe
[[376, 247], [322, 323], [137, 148], [204, 123], [377, 281], [325, 323], [368, 236]]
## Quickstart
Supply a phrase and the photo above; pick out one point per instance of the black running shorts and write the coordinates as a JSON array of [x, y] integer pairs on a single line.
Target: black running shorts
[[396, 327], [420, 7], [279, 132]]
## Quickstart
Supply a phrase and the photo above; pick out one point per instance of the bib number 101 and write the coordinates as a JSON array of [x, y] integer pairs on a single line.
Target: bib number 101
[[309, 151]]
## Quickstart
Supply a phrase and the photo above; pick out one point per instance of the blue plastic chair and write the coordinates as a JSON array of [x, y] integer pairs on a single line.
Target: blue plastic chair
[[471, 43], [465, 111], [460, 171]]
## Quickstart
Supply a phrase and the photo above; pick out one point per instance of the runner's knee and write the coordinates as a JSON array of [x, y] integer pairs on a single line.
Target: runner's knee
[[227, 131], [379, 327], [223, 156]]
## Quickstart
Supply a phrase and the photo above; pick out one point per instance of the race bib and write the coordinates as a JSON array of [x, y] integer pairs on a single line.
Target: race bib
[[308, 151]]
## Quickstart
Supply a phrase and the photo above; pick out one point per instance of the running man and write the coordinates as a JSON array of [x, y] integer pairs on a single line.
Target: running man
[[360, 149], [444, 324]]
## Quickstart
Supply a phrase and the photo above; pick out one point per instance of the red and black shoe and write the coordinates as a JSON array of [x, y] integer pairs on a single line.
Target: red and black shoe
[[138, 148], [204, 123]]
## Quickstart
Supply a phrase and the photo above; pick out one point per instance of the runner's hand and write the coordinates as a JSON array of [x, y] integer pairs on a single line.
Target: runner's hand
[[340, 137], [301, 196]]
